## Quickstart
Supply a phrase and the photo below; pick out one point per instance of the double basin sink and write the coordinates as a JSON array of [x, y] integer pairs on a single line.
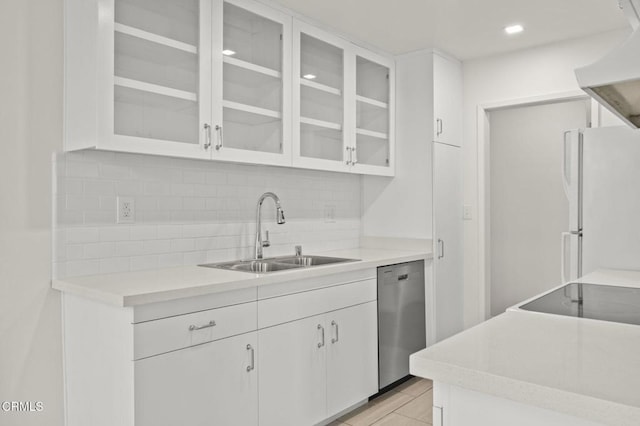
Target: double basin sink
[[275, 264]]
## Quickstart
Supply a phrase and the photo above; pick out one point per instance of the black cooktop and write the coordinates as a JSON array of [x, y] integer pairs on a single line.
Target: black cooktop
[[601, 302]]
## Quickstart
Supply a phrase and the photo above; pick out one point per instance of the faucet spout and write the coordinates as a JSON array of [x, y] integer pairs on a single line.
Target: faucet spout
[[259, 243]]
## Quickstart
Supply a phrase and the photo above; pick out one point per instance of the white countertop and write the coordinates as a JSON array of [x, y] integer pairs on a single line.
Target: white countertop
[[136, 288], [582, 367]]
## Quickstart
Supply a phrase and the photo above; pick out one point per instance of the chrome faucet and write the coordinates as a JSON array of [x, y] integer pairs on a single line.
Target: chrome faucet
[[279, 219]]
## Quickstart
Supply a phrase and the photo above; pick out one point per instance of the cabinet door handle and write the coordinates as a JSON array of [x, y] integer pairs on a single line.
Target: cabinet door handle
[[438, 126], [349, 154], [220, 139], [207, 133], [441, 248], [354, 159], [321, 343], [252, 365], [335, 325], [211, 323]]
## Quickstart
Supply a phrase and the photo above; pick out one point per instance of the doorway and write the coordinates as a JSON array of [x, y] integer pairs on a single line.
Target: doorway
[[527, 208]]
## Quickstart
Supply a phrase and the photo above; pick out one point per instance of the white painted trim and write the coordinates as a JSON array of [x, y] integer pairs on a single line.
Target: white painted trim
[[482, 132]]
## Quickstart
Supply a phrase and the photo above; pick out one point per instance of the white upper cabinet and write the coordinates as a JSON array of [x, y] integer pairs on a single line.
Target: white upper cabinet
[[373, 149], [134, 76], [251, 81], [447, 100], [342, 105], [230, 80], [319, 102]]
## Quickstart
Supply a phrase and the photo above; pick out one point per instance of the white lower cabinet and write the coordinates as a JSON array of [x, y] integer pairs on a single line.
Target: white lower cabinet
[[295, 353], [352, 356], [214, 383], [316, 367], [292, 373]]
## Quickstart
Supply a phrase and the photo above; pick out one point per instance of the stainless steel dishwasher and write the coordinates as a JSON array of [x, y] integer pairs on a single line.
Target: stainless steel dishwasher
[[401, 319]]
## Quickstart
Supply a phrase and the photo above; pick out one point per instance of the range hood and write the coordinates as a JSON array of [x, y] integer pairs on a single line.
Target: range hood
[[614, 80]]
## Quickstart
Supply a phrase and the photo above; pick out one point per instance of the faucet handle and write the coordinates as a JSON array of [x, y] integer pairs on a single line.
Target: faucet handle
[[298, 250], [266, 242]]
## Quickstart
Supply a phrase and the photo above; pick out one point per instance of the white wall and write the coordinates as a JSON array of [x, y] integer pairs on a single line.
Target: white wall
[[401, 207], [523, 74], [30, 130]]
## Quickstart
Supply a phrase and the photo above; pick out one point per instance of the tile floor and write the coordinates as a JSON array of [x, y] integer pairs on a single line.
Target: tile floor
[[406, 405]]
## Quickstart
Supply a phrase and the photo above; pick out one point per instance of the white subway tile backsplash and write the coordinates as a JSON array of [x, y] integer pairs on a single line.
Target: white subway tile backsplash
[[190, 212]]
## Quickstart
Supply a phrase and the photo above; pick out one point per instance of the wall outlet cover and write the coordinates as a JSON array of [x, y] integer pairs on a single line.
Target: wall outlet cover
[[126, 212]]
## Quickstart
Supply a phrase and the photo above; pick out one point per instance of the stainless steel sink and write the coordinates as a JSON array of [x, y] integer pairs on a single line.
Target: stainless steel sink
[[313, 260], [275, 264]]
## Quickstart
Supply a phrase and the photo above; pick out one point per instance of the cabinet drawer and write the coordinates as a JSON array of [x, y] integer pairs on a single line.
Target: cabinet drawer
[[168, 334], [282, 309]]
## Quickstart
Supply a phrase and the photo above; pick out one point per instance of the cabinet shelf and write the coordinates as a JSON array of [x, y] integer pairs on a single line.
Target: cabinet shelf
[[155, 38], [320, 123], [373, 102], [251, 67], [319, 86], [258, 115], [371, 133], [154, 88]]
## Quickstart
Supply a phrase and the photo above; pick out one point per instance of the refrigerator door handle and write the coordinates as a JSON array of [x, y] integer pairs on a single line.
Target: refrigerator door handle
[[563, 257], [564, 167]]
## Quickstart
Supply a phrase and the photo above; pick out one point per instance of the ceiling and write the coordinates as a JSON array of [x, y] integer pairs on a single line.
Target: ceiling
[[464, 28]]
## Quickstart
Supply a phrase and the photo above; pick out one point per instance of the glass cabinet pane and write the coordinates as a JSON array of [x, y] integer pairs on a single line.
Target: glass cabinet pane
[[321, 99], [252, 81], [372, 113], [156, 69]]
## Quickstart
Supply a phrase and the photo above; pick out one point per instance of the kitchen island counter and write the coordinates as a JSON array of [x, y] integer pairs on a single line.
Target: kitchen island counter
[[586, 369]]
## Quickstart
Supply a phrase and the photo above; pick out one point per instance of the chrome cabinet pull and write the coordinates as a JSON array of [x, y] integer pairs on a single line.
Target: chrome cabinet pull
[[207, 130], [321, 328], [211, 323], [335, 325], [252, 365], [349, 153], [441, 247], [438, 126], [220, 140], [354, 158]]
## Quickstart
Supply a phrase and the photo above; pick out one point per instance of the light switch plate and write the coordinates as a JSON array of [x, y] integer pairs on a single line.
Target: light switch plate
[[466, 212]]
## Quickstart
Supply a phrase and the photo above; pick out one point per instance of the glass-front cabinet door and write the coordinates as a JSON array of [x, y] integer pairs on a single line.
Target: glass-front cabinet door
[[320, 93], [373, 147], [252, 62], [158, 65]]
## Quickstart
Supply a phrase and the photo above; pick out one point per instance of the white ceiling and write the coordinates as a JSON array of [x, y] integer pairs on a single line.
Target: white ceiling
[[464, 28]]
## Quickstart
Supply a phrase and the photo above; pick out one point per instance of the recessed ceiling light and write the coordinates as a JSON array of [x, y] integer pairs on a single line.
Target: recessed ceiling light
[[513, 29], [309, 76], [228, 52]]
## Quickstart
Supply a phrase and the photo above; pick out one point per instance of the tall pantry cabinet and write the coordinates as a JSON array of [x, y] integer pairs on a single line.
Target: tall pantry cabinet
[[424, 200]]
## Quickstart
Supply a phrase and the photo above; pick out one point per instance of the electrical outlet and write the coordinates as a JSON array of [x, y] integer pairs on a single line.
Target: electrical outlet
[[126, 210], [329, 213]]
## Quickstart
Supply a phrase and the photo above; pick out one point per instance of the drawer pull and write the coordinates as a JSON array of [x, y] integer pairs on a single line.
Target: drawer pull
[[211, 323], [252, 365]]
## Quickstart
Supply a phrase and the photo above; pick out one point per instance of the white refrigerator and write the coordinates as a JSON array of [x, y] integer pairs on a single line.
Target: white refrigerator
[[601, 176]]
